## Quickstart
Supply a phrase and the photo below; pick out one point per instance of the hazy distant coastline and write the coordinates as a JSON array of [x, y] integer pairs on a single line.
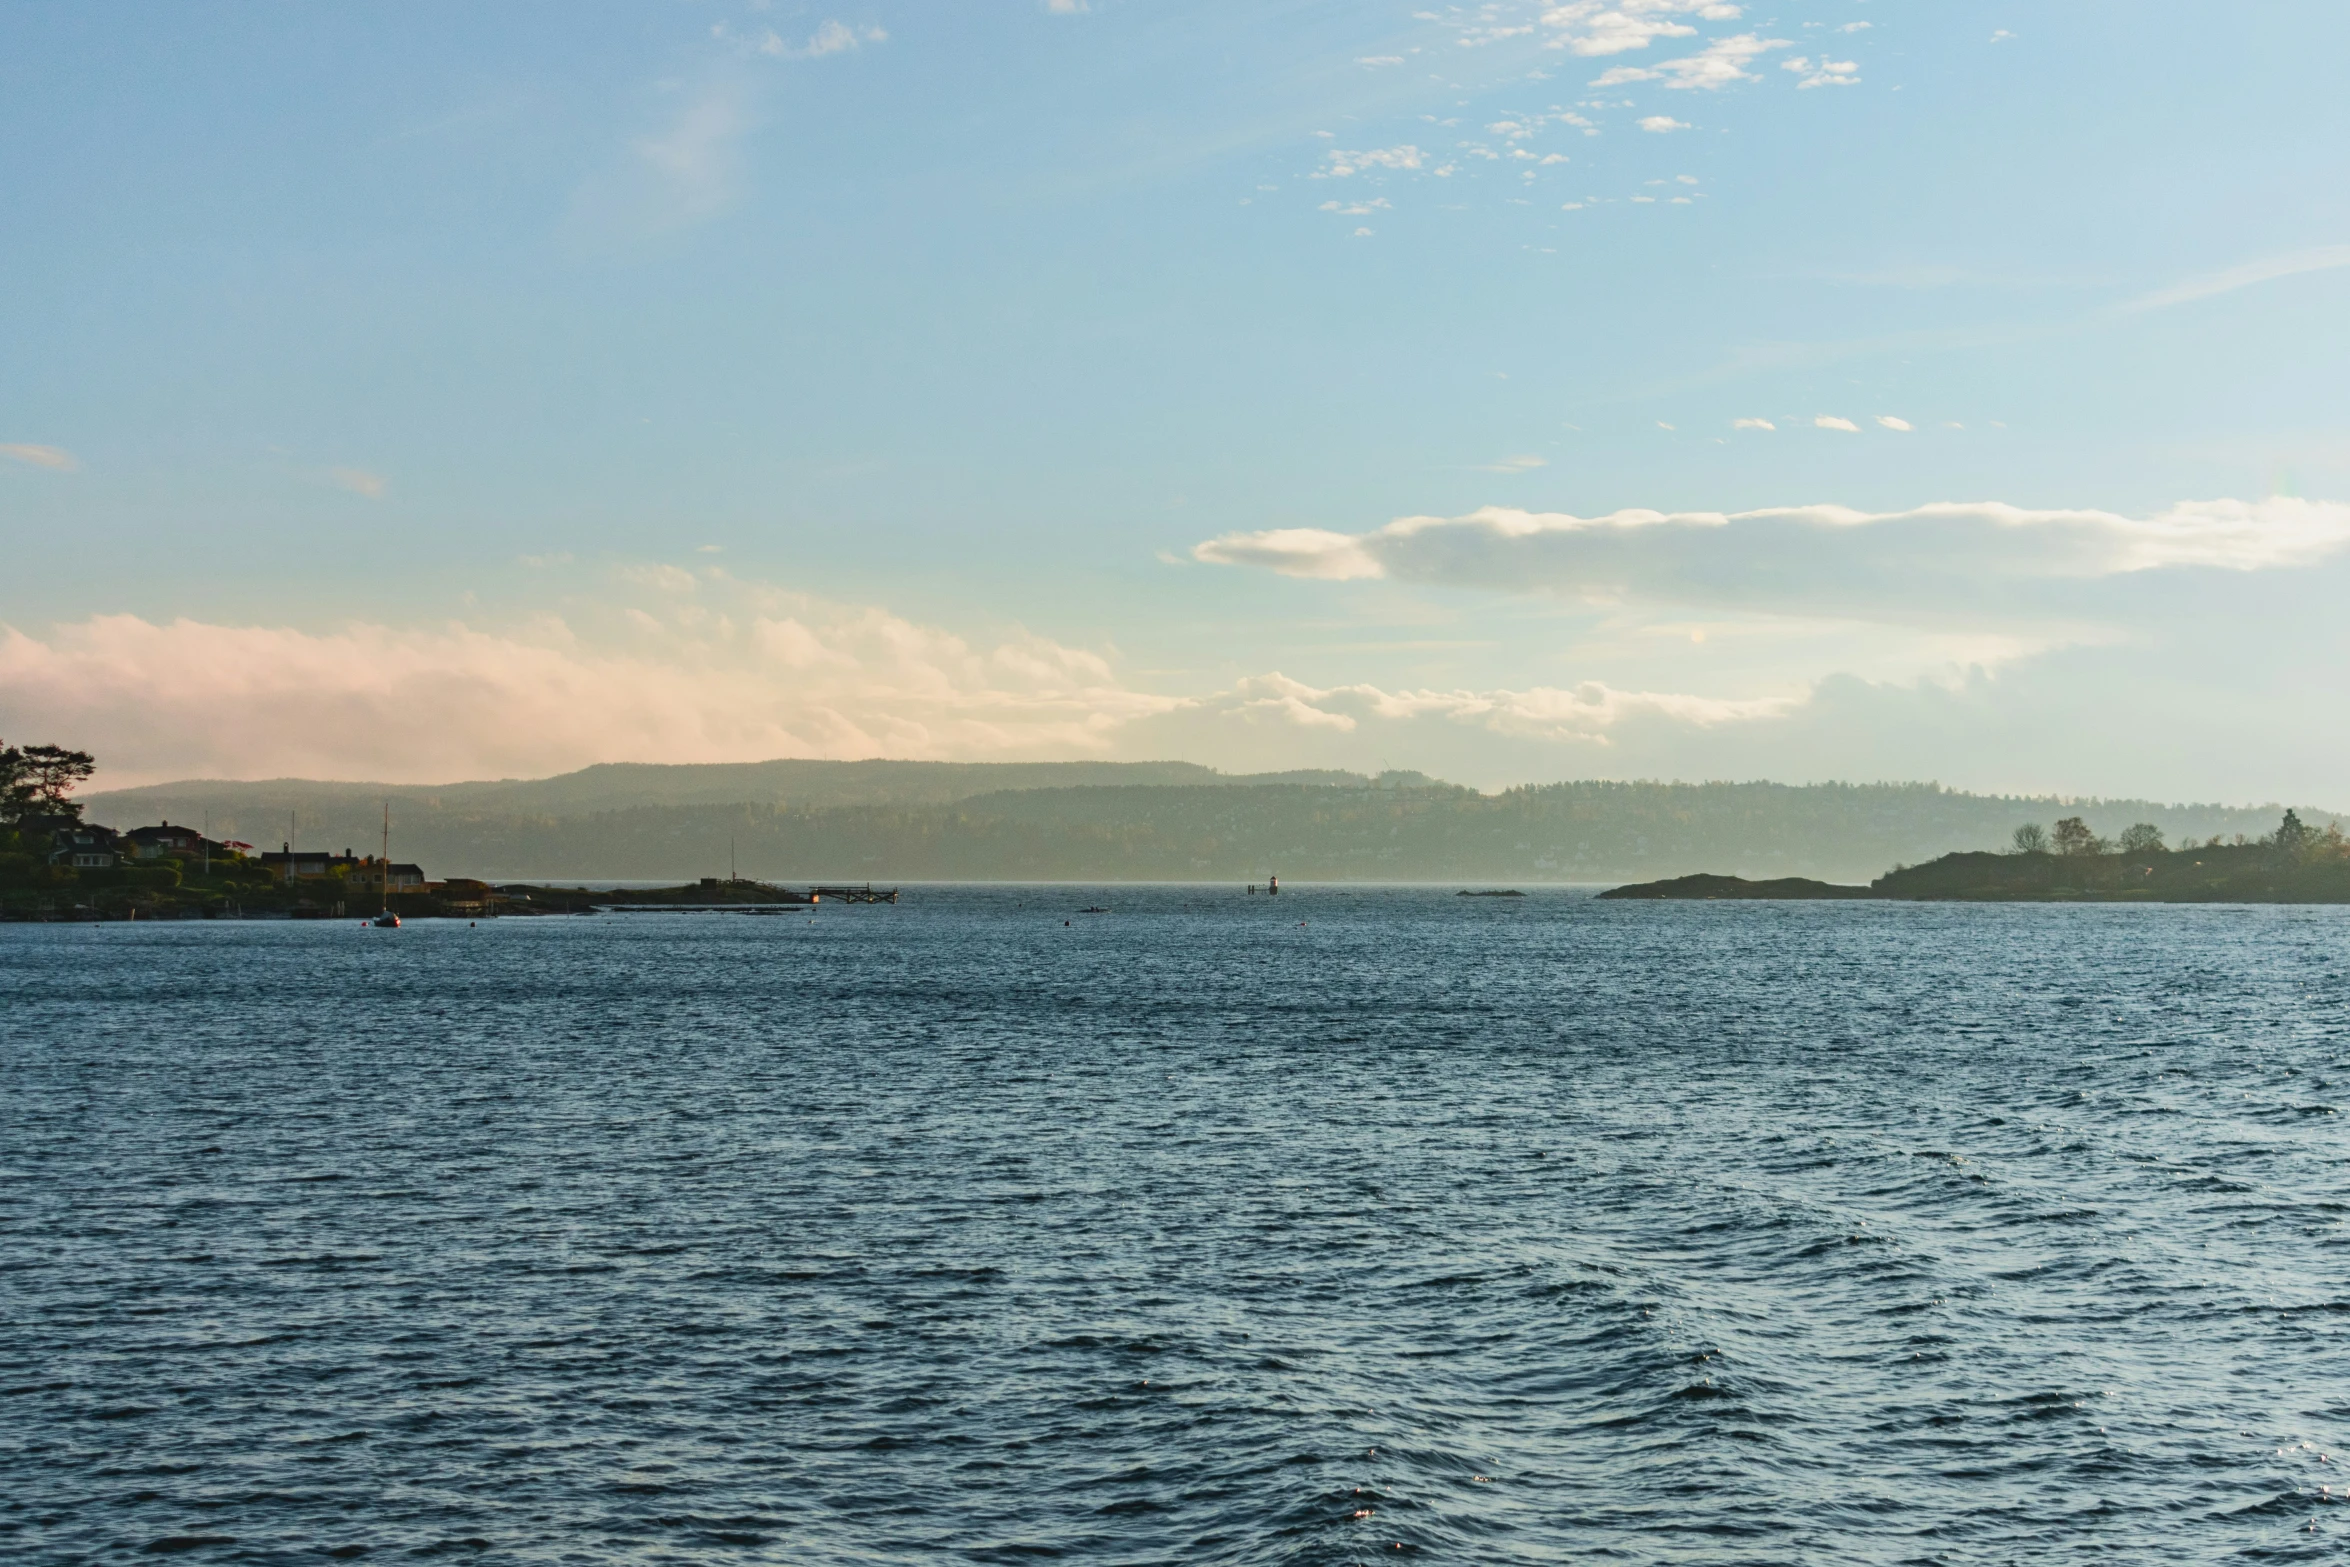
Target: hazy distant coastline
[[1146, 821]]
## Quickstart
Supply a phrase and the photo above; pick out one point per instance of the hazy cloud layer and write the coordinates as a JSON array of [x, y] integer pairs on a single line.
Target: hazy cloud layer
[[1586, 712], [709, 670], [690, 667], [678, 678]]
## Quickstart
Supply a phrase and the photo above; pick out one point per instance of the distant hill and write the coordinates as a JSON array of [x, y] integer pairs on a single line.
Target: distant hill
[[337, 813], [915, 821]]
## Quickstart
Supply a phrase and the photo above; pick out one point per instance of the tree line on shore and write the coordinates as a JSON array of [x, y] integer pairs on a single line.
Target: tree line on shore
[[2294, 839]]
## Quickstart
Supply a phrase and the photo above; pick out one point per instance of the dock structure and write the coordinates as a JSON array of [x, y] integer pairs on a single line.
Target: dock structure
[[865, 894], [701, 908]]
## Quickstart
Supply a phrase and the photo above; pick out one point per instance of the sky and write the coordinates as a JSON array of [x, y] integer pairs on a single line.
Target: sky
[[1859, 389]]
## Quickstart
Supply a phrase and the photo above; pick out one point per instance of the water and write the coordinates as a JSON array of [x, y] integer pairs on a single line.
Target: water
[[1497, 1231]]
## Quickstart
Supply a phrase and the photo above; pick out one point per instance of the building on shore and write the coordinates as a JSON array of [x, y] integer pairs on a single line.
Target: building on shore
[[83, 846], [164, 841], [294, 865]]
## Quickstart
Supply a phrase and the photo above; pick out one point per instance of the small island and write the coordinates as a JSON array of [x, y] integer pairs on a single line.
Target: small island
[[2294, 864]]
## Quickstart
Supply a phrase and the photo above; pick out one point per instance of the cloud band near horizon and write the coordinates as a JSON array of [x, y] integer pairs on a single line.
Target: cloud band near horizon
[[1972, 560]]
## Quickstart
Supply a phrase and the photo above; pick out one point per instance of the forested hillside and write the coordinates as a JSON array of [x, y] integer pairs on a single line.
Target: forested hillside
[[885, 821]]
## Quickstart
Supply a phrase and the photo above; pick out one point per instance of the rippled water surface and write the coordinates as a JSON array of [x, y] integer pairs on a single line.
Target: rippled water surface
[[1212, 1229]]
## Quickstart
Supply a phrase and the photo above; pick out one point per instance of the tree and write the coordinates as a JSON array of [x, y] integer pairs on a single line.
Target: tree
[[2074, 837], [2144, 838], [2292, 834], [16, 787], [39, 780], [2031, 838]]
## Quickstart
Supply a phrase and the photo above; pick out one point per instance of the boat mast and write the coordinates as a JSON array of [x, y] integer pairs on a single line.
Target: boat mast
[[384, 865]]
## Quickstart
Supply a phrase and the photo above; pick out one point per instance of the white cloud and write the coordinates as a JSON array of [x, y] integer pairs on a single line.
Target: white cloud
[[2323, 258], [1852, 27], [1712, 68], [1379, 59], [1343, 164], [1659, 124], [1826, 73], [1066, 7], [2001, 36], [1980, 560], [1598, 27], [360, 482], [1752, 424], [1891, 423], [56, 458], [1831, 422], [1526, 463]]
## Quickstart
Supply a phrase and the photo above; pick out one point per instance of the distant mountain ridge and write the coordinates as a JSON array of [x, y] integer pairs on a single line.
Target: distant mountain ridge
[[610, 786], [1139, 821]]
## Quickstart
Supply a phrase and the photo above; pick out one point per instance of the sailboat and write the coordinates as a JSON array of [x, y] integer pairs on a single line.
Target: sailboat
[[385, 919]]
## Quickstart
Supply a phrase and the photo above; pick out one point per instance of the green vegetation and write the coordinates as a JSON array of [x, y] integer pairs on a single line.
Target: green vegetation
[[37, 783], [33, 886], [39, 879], [2294, 864]]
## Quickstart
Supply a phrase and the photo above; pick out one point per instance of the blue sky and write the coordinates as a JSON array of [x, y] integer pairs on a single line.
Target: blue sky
[[440, 391]]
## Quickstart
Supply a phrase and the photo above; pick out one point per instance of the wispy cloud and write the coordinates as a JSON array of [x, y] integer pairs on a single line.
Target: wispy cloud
[[830, 38], [1526, 463], [1752, 424], [1890, 422], [696, 160], [1831, 422], [2323, 258], [1659, 124], [55, 458], [689, 170], [360, 482]]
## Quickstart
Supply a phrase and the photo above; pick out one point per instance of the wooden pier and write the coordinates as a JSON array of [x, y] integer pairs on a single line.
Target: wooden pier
[[865, 894]]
